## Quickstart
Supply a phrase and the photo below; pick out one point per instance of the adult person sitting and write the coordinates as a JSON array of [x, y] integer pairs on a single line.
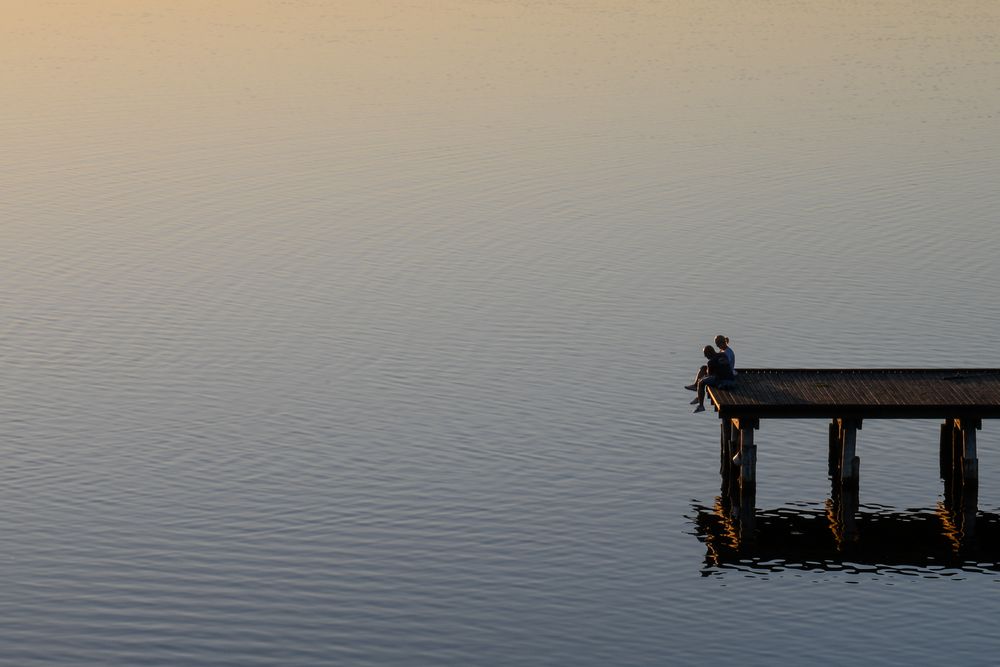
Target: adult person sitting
[[717, 372], [722, 342]]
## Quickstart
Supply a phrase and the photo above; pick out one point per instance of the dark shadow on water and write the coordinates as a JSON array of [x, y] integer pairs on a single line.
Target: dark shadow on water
[[841, 535]]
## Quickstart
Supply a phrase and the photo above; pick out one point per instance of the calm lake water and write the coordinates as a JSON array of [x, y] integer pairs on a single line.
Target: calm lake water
[[354, 333]]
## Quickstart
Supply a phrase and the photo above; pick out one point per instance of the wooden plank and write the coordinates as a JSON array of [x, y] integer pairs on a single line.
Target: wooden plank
[[871, 393], [865, 392]]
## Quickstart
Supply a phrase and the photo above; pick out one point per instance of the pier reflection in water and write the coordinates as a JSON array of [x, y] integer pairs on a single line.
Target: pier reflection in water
[[844, 535]]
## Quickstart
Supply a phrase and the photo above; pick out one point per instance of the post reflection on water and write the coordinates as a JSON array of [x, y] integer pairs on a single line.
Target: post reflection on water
[[844, 535]]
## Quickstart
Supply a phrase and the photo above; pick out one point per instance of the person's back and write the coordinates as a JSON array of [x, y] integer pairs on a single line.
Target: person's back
[[723, 344], [719, 366]]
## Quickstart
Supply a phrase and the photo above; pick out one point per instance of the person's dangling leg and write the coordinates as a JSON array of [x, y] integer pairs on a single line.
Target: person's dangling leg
[[702, 372], [703, 385]]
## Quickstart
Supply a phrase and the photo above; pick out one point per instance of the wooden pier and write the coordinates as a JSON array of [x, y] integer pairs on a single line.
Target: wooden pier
[[960, 398]]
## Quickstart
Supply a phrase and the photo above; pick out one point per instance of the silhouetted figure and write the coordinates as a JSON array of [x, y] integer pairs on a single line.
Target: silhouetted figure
[[717, 371], [721, 342]]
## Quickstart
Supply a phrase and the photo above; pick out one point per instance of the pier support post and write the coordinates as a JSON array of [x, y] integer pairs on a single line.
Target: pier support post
[[968, 458], [723, 445], [729, 445], [960, 466], [961, 482], [739, 488], [742, 432], [849, 462], [957, 444], [947, 436], [748, 454], [833, 449]]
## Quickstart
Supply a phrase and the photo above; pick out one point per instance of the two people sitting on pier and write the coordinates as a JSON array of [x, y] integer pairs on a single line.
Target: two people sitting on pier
[[722, 342], [719, 371]]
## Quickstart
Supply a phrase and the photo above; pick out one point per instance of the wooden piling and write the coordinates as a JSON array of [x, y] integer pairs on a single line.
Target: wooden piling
[[748, 467], [724, 446], [743, 429], [850, 463], [947, 435], [957, 447], [834, 449], [969, 467]]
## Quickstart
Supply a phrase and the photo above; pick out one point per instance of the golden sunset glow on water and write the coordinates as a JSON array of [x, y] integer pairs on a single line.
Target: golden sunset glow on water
[[488, 61]]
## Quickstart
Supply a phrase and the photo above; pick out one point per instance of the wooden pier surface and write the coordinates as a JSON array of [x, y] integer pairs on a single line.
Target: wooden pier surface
[[860, 393]]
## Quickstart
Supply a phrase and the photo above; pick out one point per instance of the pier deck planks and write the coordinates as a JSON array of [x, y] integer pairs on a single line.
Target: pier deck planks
[[861, 393]]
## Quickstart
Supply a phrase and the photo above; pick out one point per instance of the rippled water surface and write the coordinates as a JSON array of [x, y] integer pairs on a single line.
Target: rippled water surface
[[355, 333]]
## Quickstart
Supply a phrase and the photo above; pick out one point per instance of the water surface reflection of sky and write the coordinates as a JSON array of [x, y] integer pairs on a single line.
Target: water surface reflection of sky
[[356, 332]]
